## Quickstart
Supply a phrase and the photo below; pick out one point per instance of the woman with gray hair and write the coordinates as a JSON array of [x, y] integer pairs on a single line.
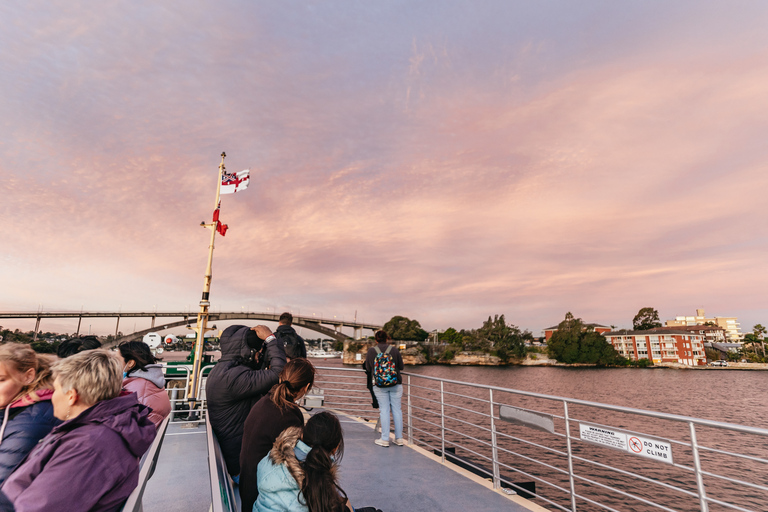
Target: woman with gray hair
[[91, 461]]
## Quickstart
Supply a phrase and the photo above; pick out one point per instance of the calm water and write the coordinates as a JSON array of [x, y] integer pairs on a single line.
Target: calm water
[[724, 395]]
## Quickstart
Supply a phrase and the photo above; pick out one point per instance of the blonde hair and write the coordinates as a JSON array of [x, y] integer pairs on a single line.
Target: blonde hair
[[18, 358], [96, 375]]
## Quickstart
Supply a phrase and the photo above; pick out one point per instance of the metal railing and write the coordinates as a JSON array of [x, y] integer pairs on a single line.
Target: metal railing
[[580, 455], [178, 395]]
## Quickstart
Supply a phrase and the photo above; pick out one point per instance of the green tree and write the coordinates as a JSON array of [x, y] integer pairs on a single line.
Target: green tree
[[451, 336], [750, 340], [402, 328], [573, 342], [505, 339], [759, 331], [646, 318]]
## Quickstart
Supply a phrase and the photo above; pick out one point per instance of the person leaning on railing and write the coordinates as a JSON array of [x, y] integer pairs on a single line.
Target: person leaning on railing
[[91, 460], [250, 364], [26, 387]]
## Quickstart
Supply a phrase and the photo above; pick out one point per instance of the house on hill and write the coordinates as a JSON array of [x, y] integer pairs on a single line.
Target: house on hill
[[602, 329]]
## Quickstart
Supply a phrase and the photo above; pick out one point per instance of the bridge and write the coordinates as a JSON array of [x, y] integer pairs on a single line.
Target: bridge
[[326, 326]]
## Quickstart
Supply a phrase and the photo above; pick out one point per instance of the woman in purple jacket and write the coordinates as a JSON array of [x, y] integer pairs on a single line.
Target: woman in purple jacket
[[91, 461]]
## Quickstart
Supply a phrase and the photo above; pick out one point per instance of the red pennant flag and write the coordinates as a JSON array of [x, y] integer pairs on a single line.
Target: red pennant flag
[[221, 228]]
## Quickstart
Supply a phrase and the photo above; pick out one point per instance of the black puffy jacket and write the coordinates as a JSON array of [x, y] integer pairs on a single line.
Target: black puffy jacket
[[233, 388]]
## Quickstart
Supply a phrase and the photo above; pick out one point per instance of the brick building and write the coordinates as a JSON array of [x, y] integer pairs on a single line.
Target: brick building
[[662, 345]]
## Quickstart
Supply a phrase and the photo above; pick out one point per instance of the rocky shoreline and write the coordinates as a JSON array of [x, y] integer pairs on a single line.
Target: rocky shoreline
[[412, 356]]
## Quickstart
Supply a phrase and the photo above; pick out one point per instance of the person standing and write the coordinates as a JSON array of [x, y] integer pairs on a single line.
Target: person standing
[[250, 364], [294, 344], [384, 363]]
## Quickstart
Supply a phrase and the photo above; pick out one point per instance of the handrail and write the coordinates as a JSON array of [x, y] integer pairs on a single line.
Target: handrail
[[147, 468], [561, 459], [223, 497]]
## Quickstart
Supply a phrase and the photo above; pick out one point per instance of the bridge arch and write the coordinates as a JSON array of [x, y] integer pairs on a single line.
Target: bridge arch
[[218, 317]]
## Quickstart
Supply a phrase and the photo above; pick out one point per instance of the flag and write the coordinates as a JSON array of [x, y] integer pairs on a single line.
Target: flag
[[221, 228], [231, 183]]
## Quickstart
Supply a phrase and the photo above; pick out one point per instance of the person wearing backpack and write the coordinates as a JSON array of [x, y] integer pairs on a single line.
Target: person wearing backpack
[[384, 363], [294, 344]]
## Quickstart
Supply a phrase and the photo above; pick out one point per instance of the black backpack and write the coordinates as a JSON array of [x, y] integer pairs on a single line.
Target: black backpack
[[294, 344]]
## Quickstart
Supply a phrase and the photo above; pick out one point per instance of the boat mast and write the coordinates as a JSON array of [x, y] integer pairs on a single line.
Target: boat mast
[[202, 316]]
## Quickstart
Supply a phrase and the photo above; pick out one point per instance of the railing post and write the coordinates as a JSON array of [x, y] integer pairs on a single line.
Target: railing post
[[570, 456], [442, 422], [697, 467], [410, 413], [496, 477]]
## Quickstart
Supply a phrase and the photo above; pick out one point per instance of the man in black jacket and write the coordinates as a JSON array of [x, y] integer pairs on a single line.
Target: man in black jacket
[[237, 382], [294, 344]]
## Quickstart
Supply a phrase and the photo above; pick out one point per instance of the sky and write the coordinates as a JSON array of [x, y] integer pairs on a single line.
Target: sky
[[441, 160]]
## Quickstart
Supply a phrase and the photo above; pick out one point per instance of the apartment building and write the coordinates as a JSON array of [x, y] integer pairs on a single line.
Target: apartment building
[[729, 324], [661, 345]]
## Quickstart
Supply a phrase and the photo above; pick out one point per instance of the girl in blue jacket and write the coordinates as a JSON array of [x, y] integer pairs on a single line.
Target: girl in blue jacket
[[299, 474], [26, 387]]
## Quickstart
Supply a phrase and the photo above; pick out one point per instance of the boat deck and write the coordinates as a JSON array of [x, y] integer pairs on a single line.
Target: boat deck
[[405, 478], [398, 478]]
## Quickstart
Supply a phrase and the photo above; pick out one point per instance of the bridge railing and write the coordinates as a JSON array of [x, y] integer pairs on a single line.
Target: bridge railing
[[579, 455]]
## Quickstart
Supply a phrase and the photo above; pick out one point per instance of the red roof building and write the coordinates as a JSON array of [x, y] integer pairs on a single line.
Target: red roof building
[[602, 329]]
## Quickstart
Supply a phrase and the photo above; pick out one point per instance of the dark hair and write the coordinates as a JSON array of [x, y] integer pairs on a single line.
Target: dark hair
[[382, 337], [320, 487], [73, 346], [296, 374], [138, 352], [286, 318]]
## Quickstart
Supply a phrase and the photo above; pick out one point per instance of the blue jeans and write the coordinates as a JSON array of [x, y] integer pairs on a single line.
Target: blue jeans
[[390, 397]]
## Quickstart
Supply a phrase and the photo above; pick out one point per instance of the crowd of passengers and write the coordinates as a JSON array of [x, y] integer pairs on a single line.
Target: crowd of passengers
[[75, 427]]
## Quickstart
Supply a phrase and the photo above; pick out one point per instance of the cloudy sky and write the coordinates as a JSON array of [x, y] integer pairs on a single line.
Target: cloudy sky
[[442, 160]]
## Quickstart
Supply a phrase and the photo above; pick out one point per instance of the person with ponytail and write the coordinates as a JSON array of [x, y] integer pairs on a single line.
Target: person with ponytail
[[299, 473], [270, 416], [26, 387]]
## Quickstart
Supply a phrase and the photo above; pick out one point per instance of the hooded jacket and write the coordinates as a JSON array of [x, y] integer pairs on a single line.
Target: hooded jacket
[[233, 388], [25, 422], [90, 462], [149, 386], [280, 474]]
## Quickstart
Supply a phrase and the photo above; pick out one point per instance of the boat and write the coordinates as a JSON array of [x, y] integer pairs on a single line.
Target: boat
[[479, 447], [323, 354]]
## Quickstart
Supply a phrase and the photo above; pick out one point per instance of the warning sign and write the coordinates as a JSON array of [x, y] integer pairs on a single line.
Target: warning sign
[[648, 447]]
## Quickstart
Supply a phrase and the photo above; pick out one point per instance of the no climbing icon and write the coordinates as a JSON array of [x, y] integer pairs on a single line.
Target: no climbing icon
[[635, 445]]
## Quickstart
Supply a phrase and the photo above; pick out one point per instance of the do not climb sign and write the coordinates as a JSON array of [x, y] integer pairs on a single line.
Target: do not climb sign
[[649, 447]]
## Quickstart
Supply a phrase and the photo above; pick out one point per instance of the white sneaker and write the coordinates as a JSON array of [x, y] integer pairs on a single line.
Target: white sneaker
[[400, 441], [379, 442]]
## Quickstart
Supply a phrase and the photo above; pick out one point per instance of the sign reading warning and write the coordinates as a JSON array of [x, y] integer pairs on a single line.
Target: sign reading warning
[[648, 447]]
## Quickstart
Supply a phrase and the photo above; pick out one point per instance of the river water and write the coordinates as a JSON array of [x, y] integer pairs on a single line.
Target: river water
[[734, 396], [726, 395]]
